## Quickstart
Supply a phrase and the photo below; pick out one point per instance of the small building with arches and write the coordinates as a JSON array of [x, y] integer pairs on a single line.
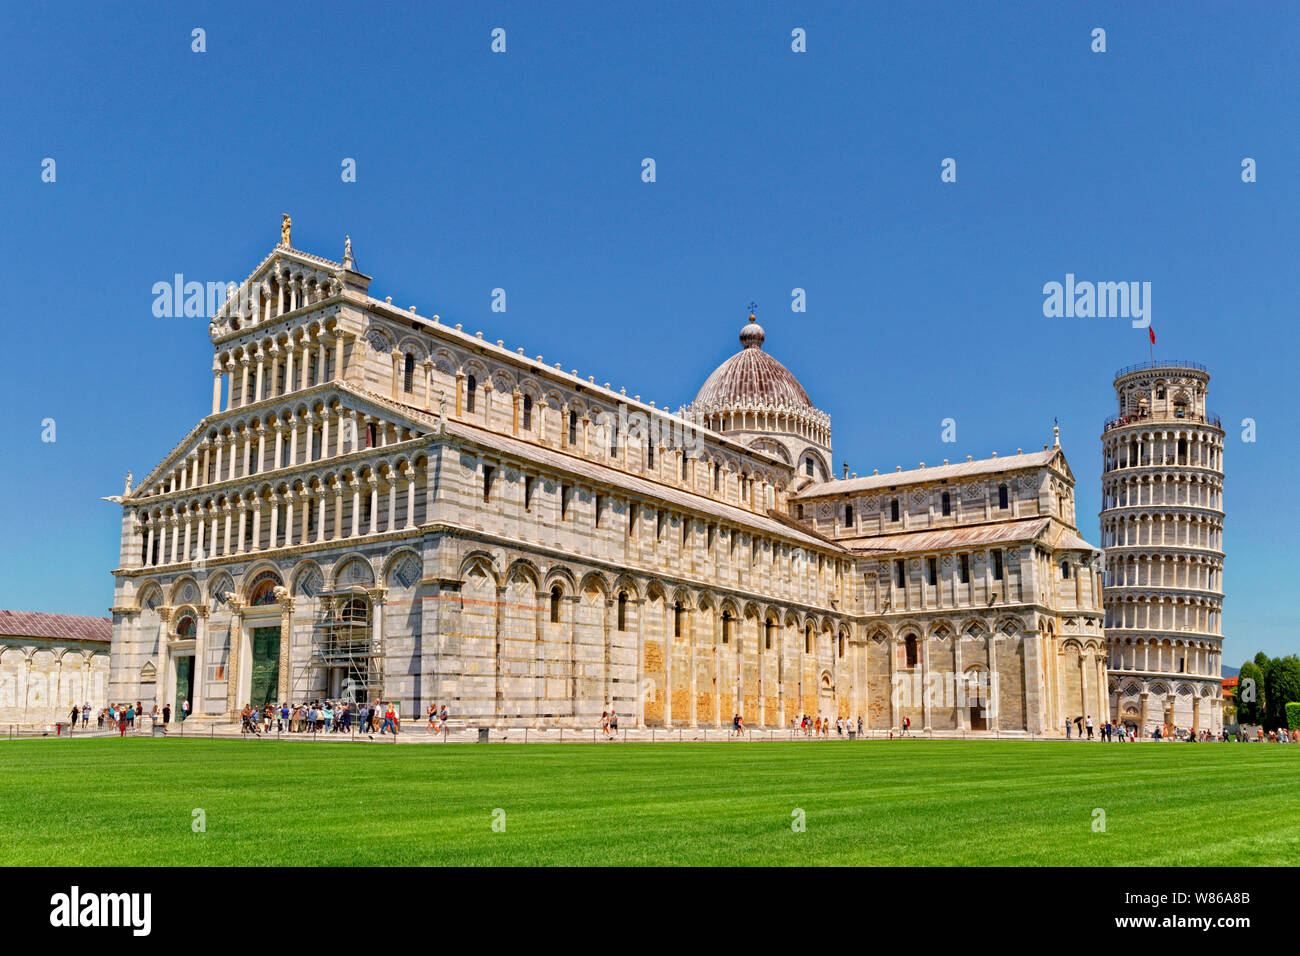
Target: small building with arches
[[50, 663]]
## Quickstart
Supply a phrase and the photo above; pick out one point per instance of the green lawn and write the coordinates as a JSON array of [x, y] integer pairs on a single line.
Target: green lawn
[[121, 802]]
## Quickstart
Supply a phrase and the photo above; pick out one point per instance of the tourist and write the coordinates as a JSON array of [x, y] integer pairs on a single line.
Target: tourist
[[907, 726], [75, 714], [284, 716], [433, 718], [99, 720], [329, 717], [390, 719], [442, 717], [121, 724], [85, 714], [604, 722], [613, 723], [185, 709], [134, 712], [167, 715], [1089, 724], [859, 725]]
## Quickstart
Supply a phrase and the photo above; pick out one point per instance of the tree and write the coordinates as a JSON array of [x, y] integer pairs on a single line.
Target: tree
[[1250, 693], [1293, 716], [1281, 686]]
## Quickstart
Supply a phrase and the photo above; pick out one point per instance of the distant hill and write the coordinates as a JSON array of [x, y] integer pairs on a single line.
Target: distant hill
[[1230, 671]]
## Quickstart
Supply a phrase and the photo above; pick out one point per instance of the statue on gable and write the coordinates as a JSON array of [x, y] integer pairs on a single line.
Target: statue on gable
[[285, 225]]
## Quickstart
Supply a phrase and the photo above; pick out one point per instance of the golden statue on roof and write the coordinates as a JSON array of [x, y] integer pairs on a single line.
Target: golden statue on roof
[[285, 225]]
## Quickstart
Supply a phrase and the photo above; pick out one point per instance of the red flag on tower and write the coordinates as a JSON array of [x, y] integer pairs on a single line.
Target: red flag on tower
[[1152, 331]]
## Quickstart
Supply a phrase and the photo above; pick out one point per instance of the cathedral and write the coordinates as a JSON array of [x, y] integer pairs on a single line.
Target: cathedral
[[381, 505]]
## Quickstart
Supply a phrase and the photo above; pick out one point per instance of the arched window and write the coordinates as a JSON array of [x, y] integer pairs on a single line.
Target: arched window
[[893, 510], [807, 639], [408, 379], [678, 611], [1065, 569], [555, 604], [841, 645], [355, 611], [946, 503], [573, 428], [726, 627], [808, 467], [1002, 497], [649, 455], [767, 636], [185, 628], [848, 516], [613, 439], [471, 387], [717, 477], [909, 647], [622, 611], [528, 413], [262, 591]]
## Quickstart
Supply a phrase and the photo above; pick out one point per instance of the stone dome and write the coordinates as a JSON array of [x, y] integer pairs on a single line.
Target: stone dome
[[752, 378]]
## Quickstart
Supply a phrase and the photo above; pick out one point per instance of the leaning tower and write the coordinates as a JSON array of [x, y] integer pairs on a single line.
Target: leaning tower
[[1162, 531]]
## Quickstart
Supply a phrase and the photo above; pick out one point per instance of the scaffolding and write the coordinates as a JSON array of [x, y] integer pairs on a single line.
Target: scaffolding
[[344, 650]]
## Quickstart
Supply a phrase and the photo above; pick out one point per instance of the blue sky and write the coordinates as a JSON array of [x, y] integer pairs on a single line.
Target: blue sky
[[775, 170]]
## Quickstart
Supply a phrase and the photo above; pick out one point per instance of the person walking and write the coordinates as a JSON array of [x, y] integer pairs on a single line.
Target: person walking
[[75, 714], [185, 709], [1090, 726], [167, 715]]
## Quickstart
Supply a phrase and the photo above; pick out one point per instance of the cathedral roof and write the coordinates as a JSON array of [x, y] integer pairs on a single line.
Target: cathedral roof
[[965, 469], [752, 378]]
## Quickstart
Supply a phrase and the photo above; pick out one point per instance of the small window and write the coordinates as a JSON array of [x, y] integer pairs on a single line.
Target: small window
[[529, 483], [683, 466], [1002, 497], [946, 504], [808, 467], [631, 519], [555, 604], [841, 645], [932, 570], [408, 380], [613, 440], [997, 565], [717, 477], [900, 574], [528, 413], [564, 502], [910, 650], [965, 569], [767, 636], [622, 611], [893, 510], [573, 428], [726, 627], [848, 516], [807, 640], [488, 472], [1065, 570], [471, 388], [600, 507], [678, 611], [649, 455]]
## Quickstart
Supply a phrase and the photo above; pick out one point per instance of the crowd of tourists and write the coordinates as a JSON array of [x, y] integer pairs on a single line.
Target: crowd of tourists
[[320, 717]]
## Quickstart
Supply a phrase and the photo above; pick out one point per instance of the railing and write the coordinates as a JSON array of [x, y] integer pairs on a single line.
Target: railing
[[1164, 363], [1116, 421]]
